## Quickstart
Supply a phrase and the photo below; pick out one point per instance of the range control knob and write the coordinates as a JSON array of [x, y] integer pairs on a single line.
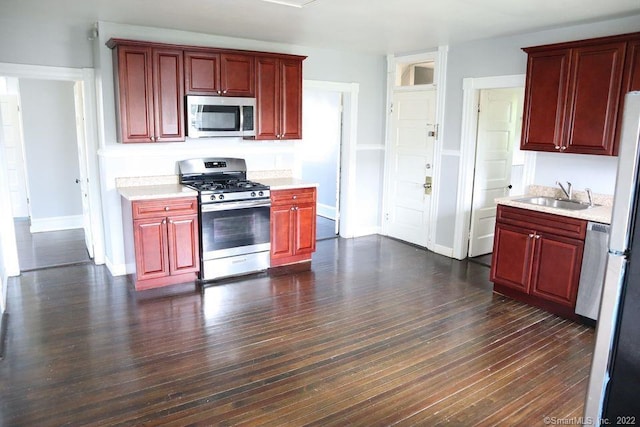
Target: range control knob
[[253, 194], [221, 197], [213, 197], [260, 193]]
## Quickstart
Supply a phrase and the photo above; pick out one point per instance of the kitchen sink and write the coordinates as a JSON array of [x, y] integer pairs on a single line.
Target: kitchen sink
[[553, 202]]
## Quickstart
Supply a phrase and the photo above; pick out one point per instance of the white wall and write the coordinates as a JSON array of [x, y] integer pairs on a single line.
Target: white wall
[[503, 56], [117, 160], [48, 116], [317, 155]]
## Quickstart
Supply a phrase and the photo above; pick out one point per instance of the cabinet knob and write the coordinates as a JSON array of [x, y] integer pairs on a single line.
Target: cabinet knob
[[563, 148], [537, 236], [166, 208], [557, 147], [295, 197], [292, 208], [531, 236], [224, 91]]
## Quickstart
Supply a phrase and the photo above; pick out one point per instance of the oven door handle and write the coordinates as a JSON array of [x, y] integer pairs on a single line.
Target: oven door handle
[[227, 206]]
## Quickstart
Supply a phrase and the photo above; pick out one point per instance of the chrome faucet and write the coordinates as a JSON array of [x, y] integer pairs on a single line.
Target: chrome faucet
[[589, 195], [568, 191]]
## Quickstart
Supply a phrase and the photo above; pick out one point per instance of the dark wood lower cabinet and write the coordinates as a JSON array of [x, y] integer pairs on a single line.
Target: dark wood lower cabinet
[[537, 258], [165, 241], [293, 225]]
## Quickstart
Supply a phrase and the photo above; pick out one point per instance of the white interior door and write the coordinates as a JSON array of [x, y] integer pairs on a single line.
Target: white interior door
[[83, 179], [411, 169], [498, 124], [14, 155]]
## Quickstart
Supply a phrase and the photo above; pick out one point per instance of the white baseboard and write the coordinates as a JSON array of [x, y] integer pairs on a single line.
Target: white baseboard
[[326, 211], [367, 231], [443, 250], [116, 269], [56, 223]]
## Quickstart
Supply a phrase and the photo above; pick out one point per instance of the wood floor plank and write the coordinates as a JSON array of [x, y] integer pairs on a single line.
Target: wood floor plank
[[376, 333]]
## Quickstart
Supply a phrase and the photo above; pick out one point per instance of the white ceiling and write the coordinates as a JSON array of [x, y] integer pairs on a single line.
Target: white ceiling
[[375, 26]]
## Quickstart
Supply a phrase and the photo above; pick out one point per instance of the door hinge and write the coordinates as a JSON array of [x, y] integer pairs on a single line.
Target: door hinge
[[391, 108]]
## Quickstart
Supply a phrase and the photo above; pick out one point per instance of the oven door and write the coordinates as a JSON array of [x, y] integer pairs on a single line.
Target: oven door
[[235, 228]]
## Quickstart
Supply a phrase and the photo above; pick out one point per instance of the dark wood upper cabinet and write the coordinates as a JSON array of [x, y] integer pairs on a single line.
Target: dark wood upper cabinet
[[153, 78], [574, 94], [594, 97], [225, 74], [279, 98], [149, 93]]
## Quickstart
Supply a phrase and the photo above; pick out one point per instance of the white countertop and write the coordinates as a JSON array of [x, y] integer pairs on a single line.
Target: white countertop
[[161, 187], [596, 214], [160, 191]]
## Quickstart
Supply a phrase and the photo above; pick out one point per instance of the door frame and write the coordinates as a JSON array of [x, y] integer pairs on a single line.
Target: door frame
[[23, 154], [439, 79], [345, 207], [87, 77], [471, 96]]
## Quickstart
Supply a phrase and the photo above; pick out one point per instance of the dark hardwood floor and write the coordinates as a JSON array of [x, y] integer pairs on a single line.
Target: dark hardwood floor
[[49, 249], [325, 228], [377, 333]]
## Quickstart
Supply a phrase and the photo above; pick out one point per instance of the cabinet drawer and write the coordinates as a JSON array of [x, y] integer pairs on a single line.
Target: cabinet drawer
[[161, 207], [543, 222], [298, 195]]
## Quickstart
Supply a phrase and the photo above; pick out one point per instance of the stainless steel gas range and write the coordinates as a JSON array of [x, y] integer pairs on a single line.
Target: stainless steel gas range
[[234, 217]]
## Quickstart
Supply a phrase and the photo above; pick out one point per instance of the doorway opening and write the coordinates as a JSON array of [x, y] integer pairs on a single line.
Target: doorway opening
[[323, 155], [490, 160], [40, 140], [499, 164], [72, 212]]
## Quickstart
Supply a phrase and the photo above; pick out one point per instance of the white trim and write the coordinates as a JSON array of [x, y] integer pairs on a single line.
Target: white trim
[[348, 211], [440, 79], [87, 77], [471, 96], [93, 167], [443, 250], [115, 269], [56, 223], [330, 86], [326, 211], [440, 73], [366, 231], [40, 72]]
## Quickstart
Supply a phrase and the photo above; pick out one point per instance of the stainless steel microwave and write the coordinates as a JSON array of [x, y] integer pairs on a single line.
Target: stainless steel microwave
[[209, 116]]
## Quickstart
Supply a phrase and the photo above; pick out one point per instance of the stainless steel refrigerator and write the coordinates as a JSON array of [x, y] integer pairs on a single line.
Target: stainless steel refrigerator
[[614, 382]]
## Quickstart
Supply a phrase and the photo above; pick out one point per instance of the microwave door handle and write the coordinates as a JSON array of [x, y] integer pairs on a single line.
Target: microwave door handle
[[241, 120]]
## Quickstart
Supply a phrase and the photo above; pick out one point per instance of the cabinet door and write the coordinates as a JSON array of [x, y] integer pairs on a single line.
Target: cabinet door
[[630, 82], [183, 244], [135, 94], [282, 229], [150, 240], [291, 101], [596, 76], [168, 89], [305, 228], [237, 75], [267, 98], [202, 73], [556, 271], [545, 100], [512, 257]]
